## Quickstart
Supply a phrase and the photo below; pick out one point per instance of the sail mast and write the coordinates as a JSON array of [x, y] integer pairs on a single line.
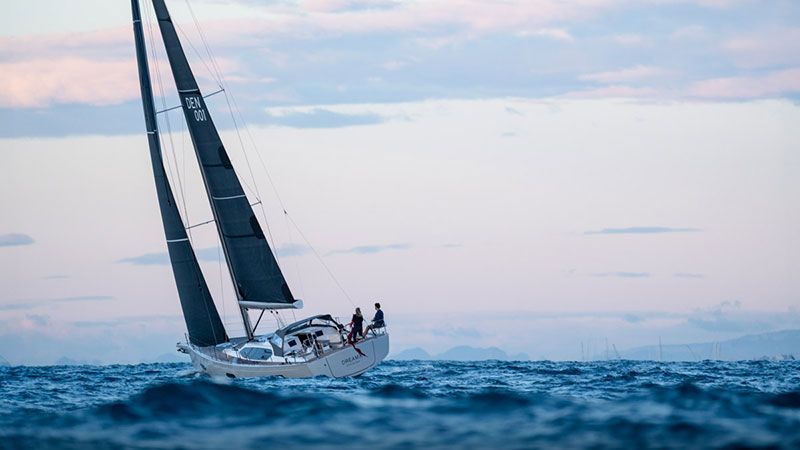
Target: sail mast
[[258, 281], [202, 318]]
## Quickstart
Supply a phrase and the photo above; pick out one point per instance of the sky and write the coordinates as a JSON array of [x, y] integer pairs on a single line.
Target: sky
[[531, 175]]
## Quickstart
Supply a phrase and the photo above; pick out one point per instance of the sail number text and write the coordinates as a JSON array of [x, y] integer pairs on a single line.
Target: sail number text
[[194, 104]]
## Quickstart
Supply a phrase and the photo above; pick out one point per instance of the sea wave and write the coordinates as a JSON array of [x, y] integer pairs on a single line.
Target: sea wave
[[404, 405]]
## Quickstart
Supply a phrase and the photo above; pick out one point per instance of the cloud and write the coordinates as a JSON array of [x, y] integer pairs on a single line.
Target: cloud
[[322, 118], [292, 250], [628, 74], [623, 274], [688, 275], [127, 320], [559, 34], [469, 16], [162, 258], [633, 318], [210, 254], [370, 249], [642, 230], [772, 84], [38, 319], [37, 83], [55, 277], [726, 317], [85, 83], [34, 303], [148, 259], [779, 47], [614, 91], [15, 239]]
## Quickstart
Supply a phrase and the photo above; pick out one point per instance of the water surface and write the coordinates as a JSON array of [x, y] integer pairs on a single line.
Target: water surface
[[406, 405]]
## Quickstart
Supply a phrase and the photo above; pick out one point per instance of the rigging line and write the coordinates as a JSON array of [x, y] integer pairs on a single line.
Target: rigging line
[[257, 322], [212, 220], [199, 224], [181, 106], [220, 84], [255, 184], [217, 80], [220, 79], [296, 264], [228, 97], [189, 41], [198, 273], [260, 159], [203, 40], [333, 277], [221, 284], [280, 201], [183, 169], [166, 116]]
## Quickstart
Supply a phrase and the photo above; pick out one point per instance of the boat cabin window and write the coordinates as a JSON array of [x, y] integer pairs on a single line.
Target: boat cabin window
[[256, 353], [292, 343]]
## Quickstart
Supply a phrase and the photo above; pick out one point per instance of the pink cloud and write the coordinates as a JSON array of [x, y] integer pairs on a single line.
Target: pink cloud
[[98, 67], [772, 84], [628, 74], [559, 34], [95, 68], [614, 92], [472, 16], [41, 82], [117, 42], [777, 47]]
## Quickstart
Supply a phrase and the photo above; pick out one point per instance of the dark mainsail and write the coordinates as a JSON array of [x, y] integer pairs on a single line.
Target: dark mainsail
[[257, 278], [202, 319]]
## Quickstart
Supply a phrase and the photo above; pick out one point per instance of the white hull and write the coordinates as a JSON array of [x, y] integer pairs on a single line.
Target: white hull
[[339, 363]]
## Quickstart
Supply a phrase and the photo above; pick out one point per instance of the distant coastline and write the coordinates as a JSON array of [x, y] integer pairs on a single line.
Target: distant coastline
[[776, 345]]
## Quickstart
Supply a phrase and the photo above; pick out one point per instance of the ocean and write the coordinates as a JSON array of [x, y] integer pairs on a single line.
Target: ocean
[[408, 405]]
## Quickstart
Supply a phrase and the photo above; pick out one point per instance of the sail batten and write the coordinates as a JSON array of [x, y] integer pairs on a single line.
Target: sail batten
[[202, 319], [254, 270]]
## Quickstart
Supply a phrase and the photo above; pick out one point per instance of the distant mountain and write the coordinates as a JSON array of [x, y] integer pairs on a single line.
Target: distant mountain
[[467, 353], [415, 353], [460, 353], [777, 345], [4, 362]]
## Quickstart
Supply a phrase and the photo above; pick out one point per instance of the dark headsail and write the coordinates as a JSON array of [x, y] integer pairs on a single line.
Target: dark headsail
[[202, 319], [257, 278]]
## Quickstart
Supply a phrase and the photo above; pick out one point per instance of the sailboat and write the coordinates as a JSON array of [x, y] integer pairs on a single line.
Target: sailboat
[[313, 346]]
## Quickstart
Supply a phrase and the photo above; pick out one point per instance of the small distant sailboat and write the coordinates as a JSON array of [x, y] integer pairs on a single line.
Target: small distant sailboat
[[314, 346]]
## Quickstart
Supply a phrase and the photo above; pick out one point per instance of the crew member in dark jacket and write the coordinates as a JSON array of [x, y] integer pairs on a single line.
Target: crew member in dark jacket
[[356, 326], [377, 321]]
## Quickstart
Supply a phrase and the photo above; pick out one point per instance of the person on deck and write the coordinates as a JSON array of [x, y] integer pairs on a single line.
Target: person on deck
[[356, 326], [377, 320]]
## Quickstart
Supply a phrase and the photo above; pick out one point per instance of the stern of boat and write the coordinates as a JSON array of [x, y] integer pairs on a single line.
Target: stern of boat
[[357, 359]]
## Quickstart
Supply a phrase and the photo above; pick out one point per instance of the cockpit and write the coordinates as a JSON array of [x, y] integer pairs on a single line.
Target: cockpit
[[312, 336]]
